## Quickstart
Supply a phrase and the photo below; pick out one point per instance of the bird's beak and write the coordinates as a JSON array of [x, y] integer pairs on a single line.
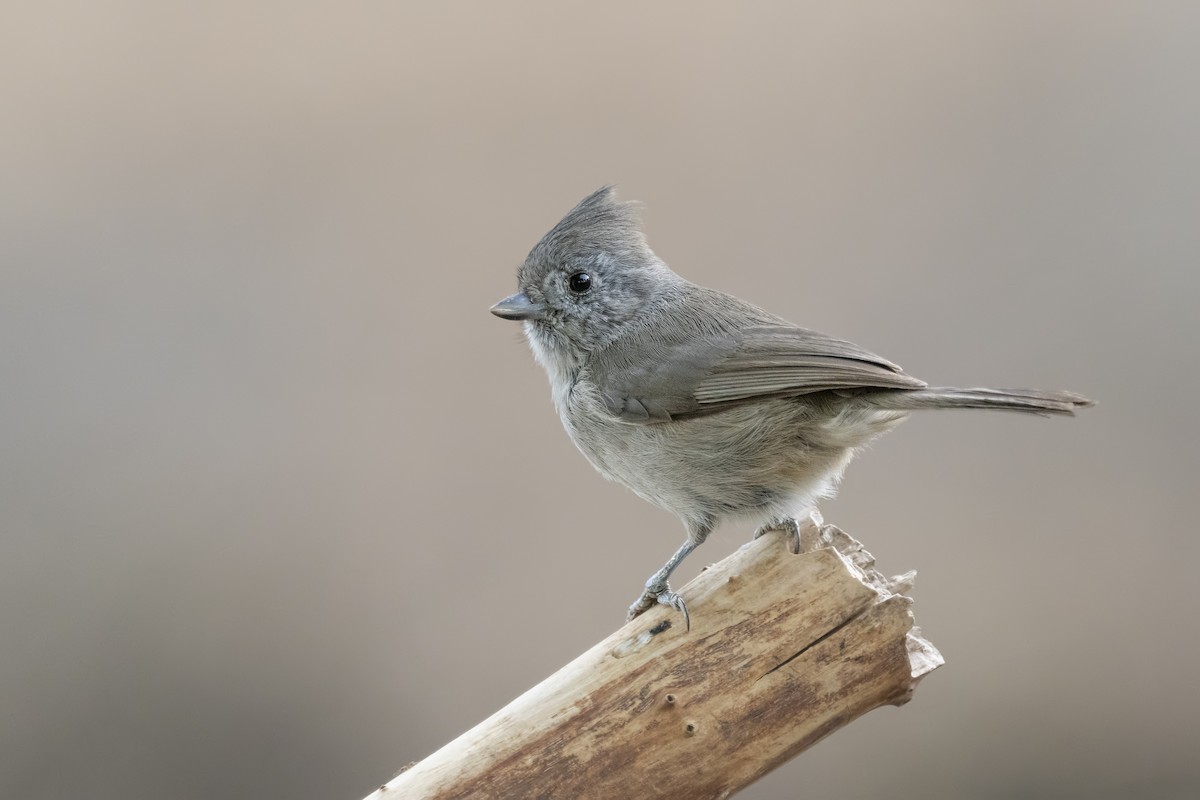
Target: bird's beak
[[518, 306]]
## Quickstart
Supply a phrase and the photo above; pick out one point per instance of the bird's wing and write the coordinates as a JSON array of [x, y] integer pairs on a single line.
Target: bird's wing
[[775, 360], [701, 376]]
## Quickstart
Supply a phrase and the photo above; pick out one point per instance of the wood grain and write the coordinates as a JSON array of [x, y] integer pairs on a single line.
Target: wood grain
[[783, 650]]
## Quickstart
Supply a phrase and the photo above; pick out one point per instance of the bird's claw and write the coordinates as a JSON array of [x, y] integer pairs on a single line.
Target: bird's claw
[[790, 528], [661, 597]]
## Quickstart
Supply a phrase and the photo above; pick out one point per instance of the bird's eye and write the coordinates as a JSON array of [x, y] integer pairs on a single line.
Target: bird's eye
[[580, 282]]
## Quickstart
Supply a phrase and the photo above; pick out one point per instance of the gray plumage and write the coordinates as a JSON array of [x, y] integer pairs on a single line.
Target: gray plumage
[[701, 403]]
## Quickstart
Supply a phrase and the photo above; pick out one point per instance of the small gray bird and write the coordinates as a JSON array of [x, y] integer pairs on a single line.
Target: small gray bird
[[701, 403]]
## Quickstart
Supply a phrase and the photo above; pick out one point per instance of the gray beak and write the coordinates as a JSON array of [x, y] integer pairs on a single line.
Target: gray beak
[[518, 306]]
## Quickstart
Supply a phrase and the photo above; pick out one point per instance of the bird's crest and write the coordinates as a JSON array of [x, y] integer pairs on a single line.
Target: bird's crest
[[599, 224]]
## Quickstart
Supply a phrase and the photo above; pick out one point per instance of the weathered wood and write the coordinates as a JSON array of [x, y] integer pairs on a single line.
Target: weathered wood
[[783, 650]]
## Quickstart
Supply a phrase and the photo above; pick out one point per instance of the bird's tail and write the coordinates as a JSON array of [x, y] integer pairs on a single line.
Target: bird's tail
[[1030, 401]]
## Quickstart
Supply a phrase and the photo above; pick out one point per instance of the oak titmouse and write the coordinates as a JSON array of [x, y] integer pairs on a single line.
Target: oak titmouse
[[701, 403]]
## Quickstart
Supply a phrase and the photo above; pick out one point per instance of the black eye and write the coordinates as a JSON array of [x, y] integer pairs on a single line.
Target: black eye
[[580, 282]]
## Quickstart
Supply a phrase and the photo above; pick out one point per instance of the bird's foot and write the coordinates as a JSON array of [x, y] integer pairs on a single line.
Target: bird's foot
[[660, 595], [791, 529]]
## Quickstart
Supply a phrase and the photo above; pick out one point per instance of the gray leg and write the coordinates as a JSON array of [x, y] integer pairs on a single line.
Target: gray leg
[[658, 591]]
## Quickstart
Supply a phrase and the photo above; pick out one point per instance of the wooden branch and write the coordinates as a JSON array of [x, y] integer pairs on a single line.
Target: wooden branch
[[784, 649]]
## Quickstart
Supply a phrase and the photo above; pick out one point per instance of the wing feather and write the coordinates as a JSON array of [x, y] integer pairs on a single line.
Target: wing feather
[[773, 360], [674, 381]]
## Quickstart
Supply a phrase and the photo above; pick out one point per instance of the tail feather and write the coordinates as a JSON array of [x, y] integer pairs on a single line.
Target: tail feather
[[1031, 401]]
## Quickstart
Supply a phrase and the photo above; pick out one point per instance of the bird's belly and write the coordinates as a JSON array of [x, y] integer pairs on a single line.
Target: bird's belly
[[740, 462]]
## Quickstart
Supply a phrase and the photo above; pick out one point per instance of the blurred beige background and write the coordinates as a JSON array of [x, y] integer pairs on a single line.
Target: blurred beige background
[[282, 507]]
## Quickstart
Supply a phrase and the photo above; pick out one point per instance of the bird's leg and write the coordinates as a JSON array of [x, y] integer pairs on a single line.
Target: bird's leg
[[658, 591], [792, 529]]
